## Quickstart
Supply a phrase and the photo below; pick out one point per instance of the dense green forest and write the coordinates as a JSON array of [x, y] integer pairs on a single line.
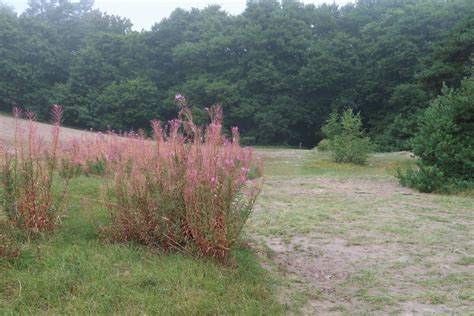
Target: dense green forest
[[278, 69]]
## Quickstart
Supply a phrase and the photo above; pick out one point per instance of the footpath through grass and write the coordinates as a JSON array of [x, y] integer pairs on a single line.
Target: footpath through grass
[[73, 271]]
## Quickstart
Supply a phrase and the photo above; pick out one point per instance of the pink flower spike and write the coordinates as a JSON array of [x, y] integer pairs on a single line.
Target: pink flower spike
[[179, 97]]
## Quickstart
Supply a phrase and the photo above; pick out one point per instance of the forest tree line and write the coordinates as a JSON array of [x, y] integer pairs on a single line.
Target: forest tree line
[[278, 69]]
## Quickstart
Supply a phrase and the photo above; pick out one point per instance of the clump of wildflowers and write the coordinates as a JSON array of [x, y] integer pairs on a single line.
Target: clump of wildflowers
[[187, 190], [27, 169]]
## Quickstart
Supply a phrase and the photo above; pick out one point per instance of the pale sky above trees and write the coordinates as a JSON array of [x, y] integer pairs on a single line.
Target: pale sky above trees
[[144, 13]]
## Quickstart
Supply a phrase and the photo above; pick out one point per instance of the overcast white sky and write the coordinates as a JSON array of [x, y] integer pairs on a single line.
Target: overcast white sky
[[144, 13]]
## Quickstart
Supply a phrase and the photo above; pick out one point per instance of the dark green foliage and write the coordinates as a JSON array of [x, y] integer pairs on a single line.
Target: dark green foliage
[[451, 59], [445, 142], [277, 69], [127, 105], [346, 138], [401, 117]]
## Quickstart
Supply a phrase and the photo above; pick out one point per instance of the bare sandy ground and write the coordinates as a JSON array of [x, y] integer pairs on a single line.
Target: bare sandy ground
[[7, 124]]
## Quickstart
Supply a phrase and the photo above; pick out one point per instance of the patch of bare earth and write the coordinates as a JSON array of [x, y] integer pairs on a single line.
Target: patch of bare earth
[[325, 266], [322, 265], [7, 127], [380, 275], [359, 188]]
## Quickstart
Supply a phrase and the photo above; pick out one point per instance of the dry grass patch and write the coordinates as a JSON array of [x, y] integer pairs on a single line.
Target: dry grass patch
[[350, 239]]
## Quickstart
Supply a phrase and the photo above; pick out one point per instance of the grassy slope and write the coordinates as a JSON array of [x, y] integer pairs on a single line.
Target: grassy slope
[[73, 271]]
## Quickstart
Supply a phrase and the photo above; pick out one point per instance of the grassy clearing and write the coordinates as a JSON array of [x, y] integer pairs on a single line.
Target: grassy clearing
[[379, 166], [333, 238], [73, 271], [361, 243]]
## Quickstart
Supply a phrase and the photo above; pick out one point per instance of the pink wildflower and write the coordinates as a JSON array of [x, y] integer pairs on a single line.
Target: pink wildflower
[[179, 97]]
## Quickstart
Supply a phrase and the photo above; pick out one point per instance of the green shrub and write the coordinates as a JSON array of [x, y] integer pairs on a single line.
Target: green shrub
[[445, 143], [346, 138], [424, 179], [323, 145], [397, 134]]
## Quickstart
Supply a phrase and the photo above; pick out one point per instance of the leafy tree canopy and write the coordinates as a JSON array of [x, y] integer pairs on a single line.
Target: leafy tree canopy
[[277, 69]]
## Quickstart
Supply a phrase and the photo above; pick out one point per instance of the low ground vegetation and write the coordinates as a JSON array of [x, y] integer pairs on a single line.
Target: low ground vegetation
[[73, 271], [356, 242]]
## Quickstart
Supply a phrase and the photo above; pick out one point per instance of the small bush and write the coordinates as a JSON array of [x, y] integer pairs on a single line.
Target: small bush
[[188, 191], [346, 138], [323, 145], [425, 179], [27, 170], [445, 143]]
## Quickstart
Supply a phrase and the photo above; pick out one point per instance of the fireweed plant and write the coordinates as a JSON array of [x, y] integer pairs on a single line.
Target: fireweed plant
[[187, 190], [91, 152], [27, 169]]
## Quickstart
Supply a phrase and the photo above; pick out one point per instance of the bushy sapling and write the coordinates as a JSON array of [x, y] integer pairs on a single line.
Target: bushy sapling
[[346, 138]]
